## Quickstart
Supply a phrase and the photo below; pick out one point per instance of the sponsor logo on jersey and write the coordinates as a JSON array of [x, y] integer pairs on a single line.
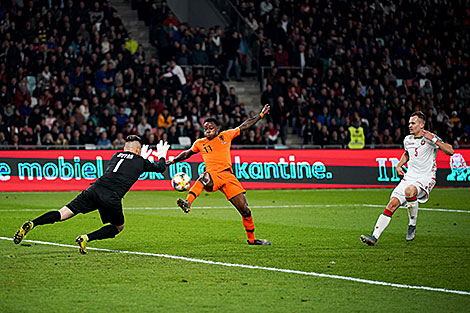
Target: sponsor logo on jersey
[[221, 137]]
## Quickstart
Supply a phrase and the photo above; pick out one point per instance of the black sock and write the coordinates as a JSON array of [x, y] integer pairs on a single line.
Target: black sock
[[108, 231], [47, 218]]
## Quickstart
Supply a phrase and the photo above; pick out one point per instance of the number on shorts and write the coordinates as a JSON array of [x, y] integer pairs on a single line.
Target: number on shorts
[[117, 165]]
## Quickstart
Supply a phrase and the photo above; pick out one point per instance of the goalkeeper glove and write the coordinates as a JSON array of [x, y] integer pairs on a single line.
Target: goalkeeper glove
[[162, 149]]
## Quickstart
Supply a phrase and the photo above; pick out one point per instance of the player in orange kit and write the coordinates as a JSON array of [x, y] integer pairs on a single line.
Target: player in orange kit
[[215, 150]]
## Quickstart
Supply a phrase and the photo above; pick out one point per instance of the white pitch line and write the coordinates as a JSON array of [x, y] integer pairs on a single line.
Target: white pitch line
[[265, 207], [255, 267]]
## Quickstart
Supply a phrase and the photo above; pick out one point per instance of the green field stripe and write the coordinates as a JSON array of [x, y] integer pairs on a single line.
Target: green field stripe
[[256, 267]]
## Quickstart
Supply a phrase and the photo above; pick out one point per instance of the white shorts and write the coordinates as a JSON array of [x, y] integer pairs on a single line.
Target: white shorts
[[424, 186]]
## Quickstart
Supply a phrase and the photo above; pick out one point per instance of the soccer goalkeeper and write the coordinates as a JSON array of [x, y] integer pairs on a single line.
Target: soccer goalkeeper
[[105, 194]]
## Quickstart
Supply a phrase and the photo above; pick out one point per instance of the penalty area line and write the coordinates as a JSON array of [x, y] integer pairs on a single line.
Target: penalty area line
[[256, 267]]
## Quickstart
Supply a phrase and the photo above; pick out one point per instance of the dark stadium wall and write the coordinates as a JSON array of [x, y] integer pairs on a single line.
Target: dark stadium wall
[[197, 13], [256, 169]]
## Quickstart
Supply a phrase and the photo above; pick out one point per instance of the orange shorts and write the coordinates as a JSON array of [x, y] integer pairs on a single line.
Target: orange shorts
[[226, 182]]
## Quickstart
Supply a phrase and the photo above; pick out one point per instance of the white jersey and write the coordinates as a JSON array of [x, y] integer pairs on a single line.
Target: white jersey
[[422, 158]]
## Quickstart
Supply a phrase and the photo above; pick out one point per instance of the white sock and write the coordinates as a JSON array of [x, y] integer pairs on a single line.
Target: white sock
[[382, 223], [412, 212]]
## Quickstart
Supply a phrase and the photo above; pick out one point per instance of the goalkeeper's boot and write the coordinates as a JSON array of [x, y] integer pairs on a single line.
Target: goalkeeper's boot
[[22, 231], [260, 242], [411, 232], [369, 240], [184, 205], [82, 241]]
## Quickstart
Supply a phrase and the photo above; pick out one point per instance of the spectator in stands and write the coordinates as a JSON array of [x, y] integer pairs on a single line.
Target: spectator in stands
[[344, 68], [272, 134], [103, 140], [131, 44], [143, 126], [175, 71], [119, 141], [199, 57], [165, 120], [61, 140], [265, 8], [281, 56], [170, 20], [231, 50]]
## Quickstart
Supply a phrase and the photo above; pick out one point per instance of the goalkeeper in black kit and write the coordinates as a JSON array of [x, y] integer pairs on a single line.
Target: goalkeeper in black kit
[[105, 195]]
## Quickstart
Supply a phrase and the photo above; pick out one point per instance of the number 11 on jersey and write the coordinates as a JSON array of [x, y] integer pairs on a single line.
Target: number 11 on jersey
[[207, 151]]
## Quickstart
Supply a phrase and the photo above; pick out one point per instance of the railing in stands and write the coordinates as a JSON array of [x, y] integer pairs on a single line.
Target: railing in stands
[[193, 68], [282, 69], [229, 10]]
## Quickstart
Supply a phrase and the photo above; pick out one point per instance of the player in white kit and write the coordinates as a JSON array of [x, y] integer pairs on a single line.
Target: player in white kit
[[420, 154]]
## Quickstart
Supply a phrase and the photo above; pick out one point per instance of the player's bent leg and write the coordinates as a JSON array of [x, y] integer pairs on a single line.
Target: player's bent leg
[[108, 231], [206, 179], [382, 222], [241, 204], [65, 213], [411, 193], [203, 182], [47, 218], [120, 228]]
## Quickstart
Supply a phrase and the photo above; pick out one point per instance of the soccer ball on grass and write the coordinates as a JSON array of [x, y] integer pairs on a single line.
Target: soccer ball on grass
[[181, 181]]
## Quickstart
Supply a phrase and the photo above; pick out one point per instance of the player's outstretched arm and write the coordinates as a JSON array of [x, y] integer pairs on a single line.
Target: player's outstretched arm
[[182, 156], [252, 121], [445, 147]]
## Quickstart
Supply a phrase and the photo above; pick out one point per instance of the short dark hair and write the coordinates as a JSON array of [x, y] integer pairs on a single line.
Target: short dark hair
[[133, 138], [420, 115], [212, 120]]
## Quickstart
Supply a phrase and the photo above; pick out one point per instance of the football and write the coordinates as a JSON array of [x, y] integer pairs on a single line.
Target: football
[[181, 181]]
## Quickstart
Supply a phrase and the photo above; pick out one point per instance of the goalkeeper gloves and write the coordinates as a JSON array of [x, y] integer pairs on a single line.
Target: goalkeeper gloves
[[162, 149]]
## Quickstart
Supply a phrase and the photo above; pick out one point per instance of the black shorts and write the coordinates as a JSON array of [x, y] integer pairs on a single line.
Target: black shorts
[[100, 198]]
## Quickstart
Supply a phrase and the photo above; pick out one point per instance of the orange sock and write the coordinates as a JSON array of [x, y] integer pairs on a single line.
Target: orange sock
[[194, 192], [250, 228]]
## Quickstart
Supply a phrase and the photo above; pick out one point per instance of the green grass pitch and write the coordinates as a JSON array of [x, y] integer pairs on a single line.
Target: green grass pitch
[[311, 231]]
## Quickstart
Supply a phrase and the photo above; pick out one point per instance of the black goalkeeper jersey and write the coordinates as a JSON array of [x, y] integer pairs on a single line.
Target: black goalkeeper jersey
[[124, 169]]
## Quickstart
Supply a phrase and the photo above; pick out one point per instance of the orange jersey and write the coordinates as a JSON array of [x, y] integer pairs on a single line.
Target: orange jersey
[[216, 152]]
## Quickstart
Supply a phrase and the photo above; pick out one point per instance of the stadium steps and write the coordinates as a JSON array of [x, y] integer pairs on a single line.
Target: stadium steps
[[133, 24], [293, 139], [248, 93]]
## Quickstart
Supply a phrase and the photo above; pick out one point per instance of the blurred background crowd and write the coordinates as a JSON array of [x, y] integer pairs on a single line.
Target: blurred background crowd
[[71, 74]]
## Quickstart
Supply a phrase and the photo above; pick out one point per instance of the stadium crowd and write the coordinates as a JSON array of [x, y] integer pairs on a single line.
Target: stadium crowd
[[70, 73], [73, 75], [331, 64]]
